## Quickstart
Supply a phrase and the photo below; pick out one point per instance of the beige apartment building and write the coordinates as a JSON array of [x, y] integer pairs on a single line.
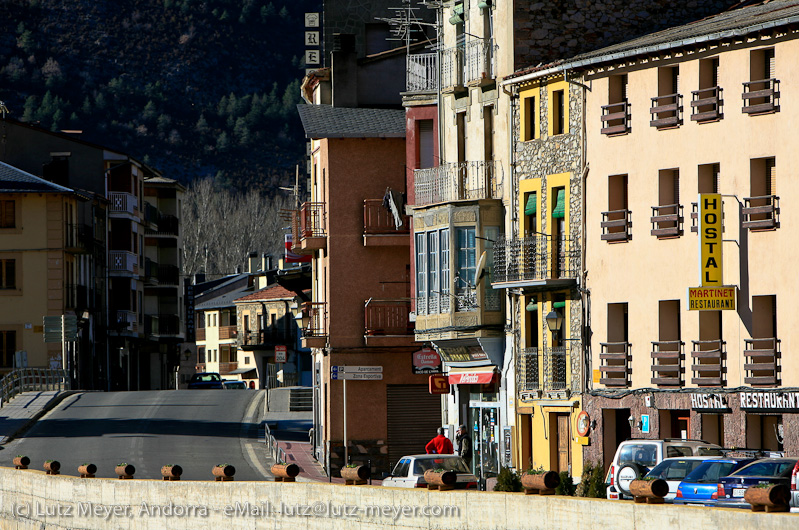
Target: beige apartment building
[[684, 128]]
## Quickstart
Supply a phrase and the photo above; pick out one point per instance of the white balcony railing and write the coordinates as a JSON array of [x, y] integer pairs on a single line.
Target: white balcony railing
[[468, 62], [458, 182], [422, 72], [123, 261], [123, 203]]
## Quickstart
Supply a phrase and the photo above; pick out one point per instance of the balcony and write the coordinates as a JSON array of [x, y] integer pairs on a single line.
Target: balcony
[[314, 320], [761, 97], [666, 111], [168, 275], [616, 225], [761, 213], [534, 260], [167, 225], [667, 363], [123, 261], [452, 63], [150, 217], [480, 61], [123, 203], [667, 220], [434, 304], [762, 362], [527, 371], [421, 73], [309, 227], [379, 227], [615, 118], [227, 332], [708, 357], [127, 321], [466, 181], [78, 238], [199, 334], [387, 322], [228, 368], [706, 104], [265, 339], [556, 359], [615, 363]]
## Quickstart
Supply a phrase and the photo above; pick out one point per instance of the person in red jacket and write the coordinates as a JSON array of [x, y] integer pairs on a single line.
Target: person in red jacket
[[440, 445]]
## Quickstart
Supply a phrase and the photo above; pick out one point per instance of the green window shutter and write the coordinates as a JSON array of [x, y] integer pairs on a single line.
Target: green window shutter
[[457, 15], [530, 207], [559, 212], [532, 306], [558, 305]]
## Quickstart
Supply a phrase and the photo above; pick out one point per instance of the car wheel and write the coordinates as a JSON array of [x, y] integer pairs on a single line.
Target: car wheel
[[627, 473]]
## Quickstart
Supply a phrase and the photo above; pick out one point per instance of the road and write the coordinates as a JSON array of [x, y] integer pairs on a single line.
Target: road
[[196, 429]]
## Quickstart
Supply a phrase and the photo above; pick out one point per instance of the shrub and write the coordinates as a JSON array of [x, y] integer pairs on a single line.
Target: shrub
[[566, 486], [507, 480], [593, 481]]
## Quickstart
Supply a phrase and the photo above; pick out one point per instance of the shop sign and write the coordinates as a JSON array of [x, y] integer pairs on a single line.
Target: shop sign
[[709, 403], [471, 378], [711, 298], [460, 354], [438, 384], [770, 401], [710, 271], [645, 423], [426, 361]]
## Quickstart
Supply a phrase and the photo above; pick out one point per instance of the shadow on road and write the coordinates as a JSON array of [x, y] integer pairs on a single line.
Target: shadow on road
[[53, 428]]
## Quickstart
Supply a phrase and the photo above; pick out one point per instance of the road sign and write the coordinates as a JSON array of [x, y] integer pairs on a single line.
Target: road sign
[[280, 354], [53, 327], [356, 369], [350, 376]]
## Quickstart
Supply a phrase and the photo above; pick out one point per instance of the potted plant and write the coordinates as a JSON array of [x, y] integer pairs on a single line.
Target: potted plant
[[87, 470], [223, 472], [768, 497], [539, 481], [284, 472], [171, 472], [52, 467], [125, 470], [440, 479], [354, 474]]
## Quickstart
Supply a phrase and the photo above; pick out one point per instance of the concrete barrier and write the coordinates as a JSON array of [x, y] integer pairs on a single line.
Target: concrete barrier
[[31, 500]]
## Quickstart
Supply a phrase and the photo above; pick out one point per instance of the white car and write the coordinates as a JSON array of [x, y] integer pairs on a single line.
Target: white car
[[409, 471], [674, 470]]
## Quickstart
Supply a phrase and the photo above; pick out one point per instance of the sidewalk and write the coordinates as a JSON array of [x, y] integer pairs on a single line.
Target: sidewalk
[[300, 453], [22, 411]]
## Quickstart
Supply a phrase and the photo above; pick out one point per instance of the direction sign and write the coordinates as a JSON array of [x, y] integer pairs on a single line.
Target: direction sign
[[52, 328], [356, 369], [349, 376]]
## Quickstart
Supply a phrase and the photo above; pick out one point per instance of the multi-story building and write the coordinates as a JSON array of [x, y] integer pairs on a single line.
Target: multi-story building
[[685, 132]]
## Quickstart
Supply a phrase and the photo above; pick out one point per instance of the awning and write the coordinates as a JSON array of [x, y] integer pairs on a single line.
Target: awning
[[480, 375], [532, 204], [559, 212]]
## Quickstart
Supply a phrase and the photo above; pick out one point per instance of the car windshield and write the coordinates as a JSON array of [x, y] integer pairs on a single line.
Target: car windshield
[[709, 472], [644, 454], [452, 463], [766, 468], [674, 469]]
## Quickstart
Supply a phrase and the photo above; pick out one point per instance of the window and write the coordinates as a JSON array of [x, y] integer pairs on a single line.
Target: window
[[667, 215], [616, 221], [706, 101], [8, 274], [461, 130], [761, 92], [558, 112], [667, 106], [201, 354], [426, 144], [615, 115], [761, 208], [667, 351], [432, 271], [466, 258], [708, 353], [432, 262], [8, 346], [8, 214], [529, 119], [709, 178], [488, 133], [530, 211], [615, 353], [421, 267], [762, 351]]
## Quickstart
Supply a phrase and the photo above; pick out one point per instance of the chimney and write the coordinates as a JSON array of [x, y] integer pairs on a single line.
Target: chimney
[[252, 262], [344, 71], [266, 262]]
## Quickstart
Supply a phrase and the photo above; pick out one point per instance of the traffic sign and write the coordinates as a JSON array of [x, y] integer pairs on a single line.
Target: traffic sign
[[53, 327], [349, 376], [356, 369], [280, 354]]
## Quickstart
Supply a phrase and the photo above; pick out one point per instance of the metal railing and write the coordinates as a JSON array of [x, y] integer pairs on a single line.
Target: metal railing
[[317, 319], [761, 96], [275, 451], [387, 317], [529, 378], [457, 182], [378, 220], [480, 60], [312, 220], [421, 72], [518, 259], [555, 361], [452, 61], [124, 261], [32, 379], [121, 202], [615, 118]]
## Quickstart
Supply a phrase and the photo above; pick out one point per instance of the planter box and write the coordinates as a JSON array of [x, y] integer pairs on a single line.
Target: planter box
[[87, 470], [285, 472], [125, 471], [172, 472], [355, 475], [223, 472], [52, 467], [649, 491], [540, 483], [440, 480], [21, 462], [774, 498]]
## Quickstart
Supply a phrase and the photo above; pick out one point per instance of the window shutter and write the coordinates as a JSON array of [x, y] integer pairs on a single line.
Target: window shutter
[[532, 306], [716, 172], [676, 179], [675, 80], [532, 204], [771, 177], [559, 212], [769, 56], [715, 72]]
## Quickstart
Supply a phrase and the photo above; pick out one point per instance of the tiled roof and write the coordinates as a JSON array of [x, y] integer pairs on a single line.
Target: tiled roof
[[15, 180], [224, 300], [273, 292], [532, 69], [326, 121]]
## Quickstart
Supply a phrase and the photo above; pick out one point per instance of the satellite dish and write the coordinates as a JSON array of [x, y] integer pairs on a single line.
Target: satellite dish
[[480, 270]]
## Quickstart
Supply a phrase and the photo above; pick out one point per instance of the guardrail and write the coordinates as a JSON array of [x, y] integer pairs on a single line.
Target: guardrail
[[32, 379], [278, 454]]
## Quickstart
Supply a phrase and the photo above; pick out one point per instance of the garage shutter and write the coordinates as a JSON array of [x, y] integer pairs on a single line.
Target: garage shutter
[[413, 417]]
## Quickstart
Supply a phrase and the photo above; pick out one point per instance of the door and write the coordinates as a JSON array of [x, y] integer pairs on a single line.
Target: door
[[484, 423], [560, 448]]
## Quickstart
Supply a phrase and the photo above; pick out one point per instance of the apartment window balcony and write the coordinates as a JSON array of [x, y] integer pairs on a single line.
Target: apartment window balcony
[[762, 361], [78, 238], [314, 328], [555, 361], [615, 363], [528, 370], [761, 97], [615, 118], [228, 368], [761, 213], [534, 259], [458, 182], [227, 332], [434, 304], [666, 111], [127, 321], [167, 225], [616, 225], [421, 73], [168, 275], [706, 104], [667, 220], [452, 62], [309, 227], [480, 61], [200, 334], [151, 216], [162, 325], [123, 203], [667, 363], [265, 338], [380, 227], [388, 317], [123, 261], [150, 271], [708, 357]]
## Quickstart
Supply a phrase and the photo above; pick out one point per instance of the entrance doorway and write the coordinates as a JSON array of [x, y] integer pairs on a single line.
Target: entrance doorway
[[484, 424], [560, 448], [616, 429]]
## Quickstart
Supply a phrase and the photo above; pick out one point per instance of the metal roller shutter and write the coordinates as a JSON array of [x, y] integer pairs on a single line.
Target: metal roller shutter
[[413, 417]]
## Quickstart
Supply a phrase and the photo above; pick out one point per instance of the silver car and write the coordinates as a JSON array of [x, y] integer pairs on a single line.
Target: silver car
[[409, 471]]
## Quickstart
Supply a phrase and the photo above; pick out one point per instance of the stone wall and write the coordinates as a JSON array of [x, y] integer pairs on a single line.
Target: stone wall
[[547, 31]]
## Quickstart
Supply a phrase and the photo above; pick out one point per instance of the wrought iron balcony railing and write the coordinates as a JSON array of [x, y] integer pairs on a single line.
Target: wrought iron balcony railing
[[535, 258], [458, 182]]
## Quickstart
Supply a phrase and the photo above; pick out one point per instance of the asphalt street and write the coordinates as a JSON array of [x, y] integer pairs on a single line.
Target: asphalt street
[[196, 429]]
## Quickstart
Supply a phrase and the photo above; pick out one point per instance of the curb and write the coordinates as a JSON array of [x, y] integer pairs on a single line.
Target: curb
[[53, 403]]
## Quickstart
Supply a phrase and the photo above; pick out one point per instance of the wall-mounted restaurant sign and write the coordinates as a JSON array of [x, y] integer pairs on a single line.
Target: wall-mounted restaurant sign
[[770, 401]]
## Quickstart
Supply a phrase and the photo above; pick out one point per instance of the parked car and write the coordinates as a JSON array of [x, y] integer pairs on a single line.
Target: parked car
[[234, 385], [409, 471], [700, 486], [205, 380], [673, 470], [731, 489], [635, 458]]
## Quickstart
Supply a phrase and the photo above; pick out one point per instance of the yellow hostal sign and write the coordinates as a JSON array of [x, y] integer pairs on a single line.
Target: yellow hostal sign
[[711, 298], [710, 230]]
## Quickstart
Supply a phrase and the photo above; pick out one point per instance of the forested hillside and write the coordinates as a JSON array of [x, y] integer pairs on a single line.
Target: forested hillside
[[196, 88]]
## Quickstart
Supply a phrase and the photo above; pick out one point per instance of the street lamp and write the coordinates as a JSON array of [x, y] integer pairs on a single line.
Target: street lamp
[[186, 354], [554, 321], [631, 421]]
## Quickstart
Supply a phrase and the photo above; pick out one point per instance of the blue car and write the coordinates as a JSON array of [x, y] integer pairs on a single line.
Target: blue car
[[700, 486]]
